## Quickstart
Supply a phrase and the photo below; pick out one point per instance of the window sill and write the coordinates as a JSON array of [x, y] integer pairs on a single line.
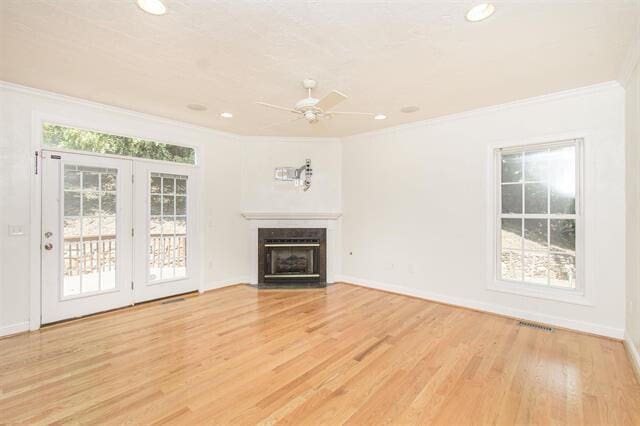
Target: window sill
[[558, 295]]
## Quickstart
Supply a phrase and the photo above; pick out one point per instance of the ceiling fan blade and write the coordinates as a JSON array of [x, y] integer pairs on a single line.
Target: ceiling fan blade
[[349, 113], [268, 126], [331, 100], [278, 107]]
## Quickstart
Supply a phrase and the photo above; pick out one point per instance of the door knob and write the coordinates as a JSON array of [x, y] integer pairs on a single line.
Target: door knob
[[48, 246]]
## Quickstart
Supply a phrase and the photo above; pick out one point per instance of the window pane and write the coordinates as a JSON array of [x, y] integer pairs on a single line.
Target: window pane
[[535, 234], [168, 205], [71, 179], [156, 204], [512, 198], [103, 143], [535, 166], [535, 198], [563, 235], [512, 233], [181, 205], [181, 186], [563, 180], [511, 265], [90, 203], [108, 182], [168, 185], [90, 181], [156, 185], [563, 270], [536, 267], [512, 168], [71, 203], [108, 206]]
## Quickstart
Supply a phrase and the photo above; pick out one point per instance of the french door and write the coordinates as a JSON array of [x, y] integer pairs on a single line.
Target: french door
[[115, 232], [164, 259]]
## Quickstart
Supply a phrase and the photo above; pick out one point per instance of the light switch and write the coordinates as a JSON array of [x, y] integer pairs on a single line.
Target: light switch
[[16, 230]]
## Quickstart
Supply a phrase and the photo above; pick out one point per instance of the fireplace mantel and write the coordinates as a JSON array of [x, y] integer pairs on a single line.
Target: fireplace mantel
[[328, 220], [291, 216]]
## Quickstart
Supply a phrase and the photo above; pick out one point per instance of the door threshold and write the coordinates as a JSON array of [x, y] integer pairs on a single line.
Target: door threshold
[[98, 315]]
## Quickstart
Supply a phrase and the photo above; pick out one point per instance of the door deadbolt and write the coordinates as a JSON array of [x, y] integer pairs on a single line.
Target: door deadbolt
[[48, 246], [48, 234]]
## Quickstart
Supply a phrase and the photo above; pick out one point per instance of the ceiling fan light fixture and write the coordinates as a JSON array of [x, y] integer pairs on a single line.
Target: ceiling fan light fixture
[[379, 117], [226, 115], [154, 7], [480, 12]]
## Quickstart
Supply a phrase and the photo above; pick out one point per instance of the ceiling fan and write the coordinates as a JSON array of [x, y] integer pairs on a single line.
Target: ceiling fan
[[313, 109]]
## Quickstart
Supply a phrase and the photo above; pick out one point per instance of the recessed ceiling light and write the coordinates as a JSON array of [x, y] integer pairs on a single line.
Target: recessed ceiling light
[[480, 12], [226, 115], [154, 7], [379, 117], [409, 109], [197, 107]]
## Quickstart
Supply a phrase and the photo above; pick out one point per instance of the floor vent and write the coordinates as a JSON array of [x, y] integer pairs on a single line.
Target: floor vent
[[179, 299], [535, 325]]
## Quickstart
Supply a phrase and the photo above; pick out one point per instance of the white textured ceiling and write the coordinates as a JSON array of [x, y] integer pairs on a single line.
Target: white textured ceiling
[[384, 55]]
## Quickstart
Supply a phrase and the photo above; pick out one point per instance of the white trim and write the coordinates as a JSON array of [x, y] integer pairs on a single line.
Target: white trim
[[581, 295], [212, 285], [580, 91], [7, 330], [585, 327], [291, 216], [634, 355], [105, 107]]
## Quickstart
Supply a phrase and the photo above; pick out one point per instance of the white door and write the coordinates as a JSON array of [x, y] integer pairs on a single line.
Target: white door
[[164, 215], [86, 243]]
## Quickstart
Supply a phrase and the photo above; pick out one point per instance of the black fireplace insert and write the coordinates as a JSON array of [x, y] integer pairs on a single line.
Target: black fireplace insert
[[291, 257]]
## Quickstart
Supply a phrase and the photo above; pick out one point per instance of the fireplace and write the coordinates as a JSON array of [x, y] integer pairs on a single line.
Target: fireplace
[[292, 257]]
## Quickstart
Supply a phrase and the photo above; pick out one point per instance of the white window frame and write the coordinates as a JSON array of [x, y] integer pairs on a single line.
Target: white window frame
[[579, 295]]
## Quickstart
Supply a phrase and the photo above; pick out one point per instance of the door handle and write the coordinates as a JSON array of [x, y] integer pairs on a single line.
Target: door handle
[[48, 246]]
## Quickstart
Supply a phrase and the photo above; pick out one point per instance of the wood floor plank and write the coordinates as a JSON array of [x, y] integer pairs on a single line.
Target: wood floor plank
[[344, 354]]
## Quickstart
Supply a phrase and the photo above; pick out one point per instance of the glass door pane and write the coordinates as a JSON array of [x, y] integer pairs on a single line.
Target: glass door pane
[[89, 229], [167, 249]]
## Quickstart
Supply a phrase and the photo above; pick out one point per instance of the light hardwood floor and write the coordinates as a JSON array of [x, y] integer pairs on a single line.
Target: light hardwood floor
[[341, 355]]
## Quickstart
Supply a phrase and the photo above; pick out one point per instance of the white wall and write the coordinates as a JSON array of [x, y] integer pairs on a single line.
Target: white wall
[[415, 202], [261, 193], [633, 209], [223, 255]]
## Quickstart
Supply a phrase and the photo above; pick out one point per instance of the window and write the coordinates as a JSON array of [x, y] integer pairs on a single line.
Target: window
[[538, 217], [103, 143]]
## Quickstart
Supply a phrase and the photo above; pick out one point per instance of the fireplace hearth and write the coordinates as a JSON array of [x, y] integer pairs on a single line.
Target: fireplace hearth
[[292, 258]]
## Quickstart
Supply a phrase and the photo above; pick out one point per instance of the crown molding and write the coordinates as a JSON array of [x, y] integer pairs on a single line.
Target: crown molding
[[580, 91], [114, 109]]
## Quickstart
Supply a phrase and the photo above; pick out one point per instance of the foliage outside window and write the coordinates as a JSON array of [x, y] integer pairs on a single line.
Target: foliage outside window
[[104, 143], [537, 215]]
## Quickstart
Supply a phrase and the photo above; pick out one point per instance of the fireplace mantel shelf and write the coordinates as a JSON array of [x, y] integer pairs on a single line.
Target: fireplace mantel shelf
[[291, 216]]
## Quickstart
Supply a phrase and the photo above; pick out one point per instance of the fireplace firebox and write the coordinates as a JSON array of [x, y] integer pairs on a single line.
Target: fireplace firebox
[[292, 257]]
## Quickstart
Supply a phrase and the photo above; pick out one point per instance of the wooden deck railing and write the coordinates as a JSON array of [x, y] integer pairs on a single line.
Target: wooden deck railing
[[93, 253]]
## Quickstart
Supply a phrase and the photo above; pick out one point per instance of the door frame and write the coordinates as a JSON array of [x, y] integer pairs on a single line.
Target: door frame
[[91, 121]]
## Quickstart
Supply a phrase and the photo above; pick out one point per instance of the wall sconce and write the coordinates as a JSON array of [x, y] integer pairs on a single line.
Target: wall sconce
[[293, 174]]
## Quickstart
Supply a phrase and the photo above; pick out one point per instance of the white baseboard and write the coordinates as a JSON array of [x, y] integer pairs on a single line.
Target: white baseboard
[[634, 355], [586, 327], [212, 285], [7, 330]]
